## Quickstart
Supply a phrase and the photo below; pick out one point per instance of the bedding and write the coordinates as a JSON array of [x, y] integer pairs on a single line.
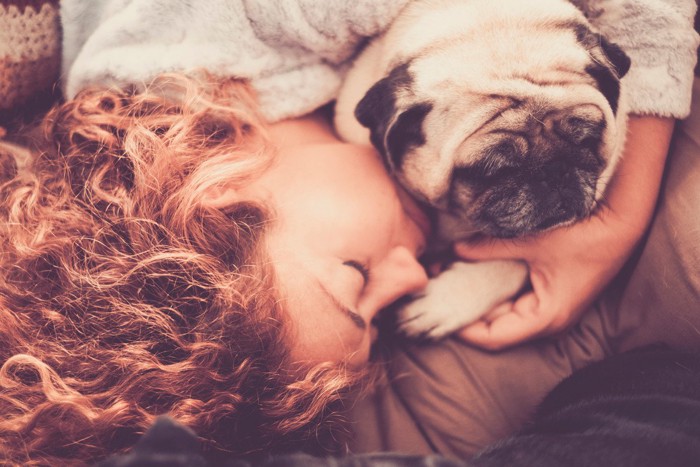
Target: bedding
[[30, 45]]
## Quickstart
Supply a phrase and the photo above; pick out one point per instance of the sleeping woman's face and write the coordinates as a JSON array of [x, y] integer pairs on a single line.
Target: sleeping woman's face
[[344, 240]]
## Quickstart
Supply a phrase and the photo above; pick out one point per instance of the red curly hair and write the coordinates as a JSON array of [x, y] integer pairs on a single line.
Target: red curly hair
[[124, 297]]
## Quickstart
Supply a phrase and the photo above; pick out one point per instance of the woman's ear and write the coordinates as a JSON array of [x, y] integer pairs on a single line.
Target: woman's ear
[[220, 196]]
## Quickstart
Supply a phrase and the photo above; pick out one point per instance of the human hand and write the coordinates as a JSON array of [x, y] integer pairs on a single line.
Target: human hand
[[570, 266]]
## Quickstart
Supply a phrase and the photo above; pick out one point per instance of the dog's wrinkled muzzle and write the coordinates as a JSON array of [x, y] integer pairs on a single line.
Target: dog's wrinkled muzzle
[[532, 179]]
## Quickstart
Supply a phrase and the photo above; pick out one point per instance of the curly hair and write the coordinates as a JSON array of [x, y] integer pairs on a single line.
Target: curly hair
[[124, 297]]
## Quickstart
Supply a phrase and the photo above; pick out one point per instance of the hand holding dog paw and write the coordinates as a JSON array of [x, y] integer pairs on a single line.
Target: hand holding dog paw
[[460, 295], [570, 266]]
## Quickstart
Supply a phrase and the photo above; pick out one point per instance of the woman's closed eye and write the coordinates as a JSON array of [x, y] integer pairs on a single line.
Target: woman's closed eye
[[361, 268]]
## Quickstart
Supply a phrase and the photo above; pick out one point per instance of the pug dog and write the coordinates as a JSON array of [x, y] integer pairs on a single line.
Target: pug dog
[[506, 118]]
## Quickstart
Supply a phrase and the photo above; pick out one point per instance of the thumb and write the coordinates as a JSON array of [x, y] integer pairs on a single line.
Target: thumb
[[490, 249]]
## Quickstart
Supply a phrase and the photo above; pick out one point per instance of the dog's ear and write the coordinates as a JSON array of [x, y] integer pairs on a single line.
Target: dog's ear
[[376, 110], [406, 132], [393, 129], [378, 107], [618, 58], [606, 70], [613, 53]]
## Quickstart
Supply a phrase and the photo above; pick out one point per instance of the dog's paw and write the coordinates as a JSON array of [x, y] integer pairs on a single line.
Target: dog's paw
[[460, 295], [430, 317]]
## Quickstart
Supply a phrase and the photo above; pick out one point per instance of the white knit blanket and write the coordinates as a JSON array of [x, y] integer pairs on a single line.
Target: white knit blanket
[[292, 50], [295, 51]]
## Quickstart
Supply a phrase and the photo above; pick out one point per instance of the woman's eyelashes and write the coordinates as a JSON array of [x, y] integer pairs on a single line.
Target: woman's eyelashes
[[361, 268]]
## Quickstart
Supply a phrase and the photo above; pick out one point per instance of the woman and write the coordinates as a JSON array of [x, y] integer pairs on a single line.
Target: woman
[[160, 262], [134, 284]]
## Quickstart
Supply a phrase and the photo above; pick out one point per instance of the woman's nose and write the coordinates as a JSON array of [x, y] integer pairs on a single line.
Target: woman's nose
[[397, 275]]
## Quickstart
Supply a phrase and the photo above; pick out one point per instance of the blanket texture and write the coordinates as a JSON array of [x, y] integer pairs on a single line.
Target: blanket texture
[[295, 51], [30, 43], [659, 37]]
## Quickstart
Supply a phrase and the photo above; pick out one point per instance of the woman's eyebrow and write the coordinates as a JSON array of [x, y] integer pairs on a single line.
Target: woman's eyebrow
[[354, 317]]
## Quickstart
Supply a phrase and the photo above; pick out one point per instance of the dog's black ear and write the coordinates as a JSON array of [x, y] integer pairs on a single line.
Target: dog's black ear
[[378, 107], [375, 110], [394, 128], [618, 58], [618, 62], [406, 132]]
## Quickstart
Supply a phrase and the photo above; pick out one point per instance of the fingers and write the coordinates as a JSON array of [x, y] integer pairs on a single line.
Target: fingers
[[499, 310], [509, 324], [535, 314]]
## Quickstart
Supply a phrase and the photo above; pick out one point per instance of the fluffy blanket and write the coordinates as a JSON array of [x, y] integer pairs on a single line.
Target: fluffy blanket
[[295, 51]]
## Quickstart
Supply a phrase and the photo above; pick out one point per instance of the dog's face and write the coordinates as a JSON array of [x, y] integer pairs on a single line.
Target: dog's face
[[512, 127]]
